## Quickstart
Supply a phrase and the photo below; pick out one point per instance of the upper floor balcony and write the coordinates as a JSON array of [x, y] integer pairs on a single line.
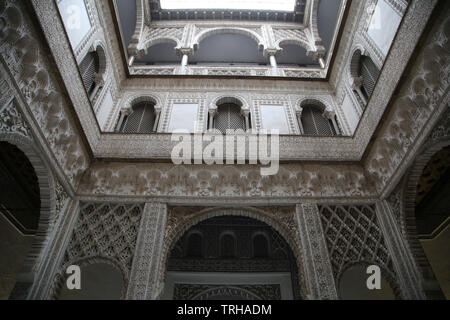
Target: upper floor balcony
[[273, 41]]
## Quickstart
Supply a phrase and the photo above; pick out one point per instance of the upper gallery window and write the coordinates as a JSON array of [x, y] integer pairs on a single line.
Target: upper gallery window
[[272, 5], [76, 20]]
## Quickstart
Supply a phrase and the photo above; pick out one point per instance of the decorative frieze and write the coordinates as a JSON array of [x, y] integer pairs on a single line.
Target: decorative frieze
[[225, 182]]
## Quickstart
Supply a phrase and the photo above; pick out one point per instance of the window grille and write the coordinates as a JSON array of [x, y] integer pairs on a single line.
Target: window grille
[[194, 246], [369, 73], [314, 123], [89, 66], [229, 117], [359, 99], [260, 247], [141, 120], [227, 246]]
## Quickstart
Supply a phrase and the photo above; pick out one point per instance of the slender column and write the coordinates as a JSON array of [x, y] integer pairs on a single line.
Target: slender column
[[322, 63], [273, 61], [184, 60], [158, 116], [318, 270], [361, 95], [331, 115], [123, 114], [94, 92], [299, 120], [408, 275], [356, 84], [246, 114], [336, 127], [99, 82], [147, 256], [271, 53], [185, 53], [134, 53], [212, 112]]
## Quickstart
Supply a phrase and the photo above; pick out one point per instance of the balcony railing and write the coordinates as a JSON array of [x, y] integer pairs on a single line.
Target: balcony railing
[[231, 71]]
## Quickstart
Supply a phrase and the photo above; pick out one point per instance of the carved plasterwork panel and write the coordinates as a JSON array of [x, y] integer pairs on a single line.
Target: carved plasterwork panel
[[353, 236], [244, 292], [420, 101], [144, 280], [105, 230], [11, 120], [222, 182], [28, 62]]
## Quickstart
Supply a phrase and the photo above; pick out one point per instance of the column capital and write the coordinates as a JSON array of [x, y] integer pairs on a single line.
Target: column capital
[[100, 79], [127, 110], [157, 109], [212, 110], [317, 54], [329, 114], [245, 112], [184, 51], [137, 52], [356, 83], [272, 51]]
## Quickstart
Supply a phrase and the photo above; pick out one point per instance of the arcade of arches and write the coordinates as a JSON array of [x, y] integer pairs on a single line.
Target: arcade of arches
[[88, 124]]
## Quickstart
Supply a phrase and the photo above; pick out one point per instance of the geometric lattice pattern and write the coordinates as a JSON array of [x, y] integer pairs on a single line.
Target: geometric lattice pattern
[[105, 230], [352, 235], [370, 73], [229, 117], [314, 123], [89, 66], [141, 120]]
